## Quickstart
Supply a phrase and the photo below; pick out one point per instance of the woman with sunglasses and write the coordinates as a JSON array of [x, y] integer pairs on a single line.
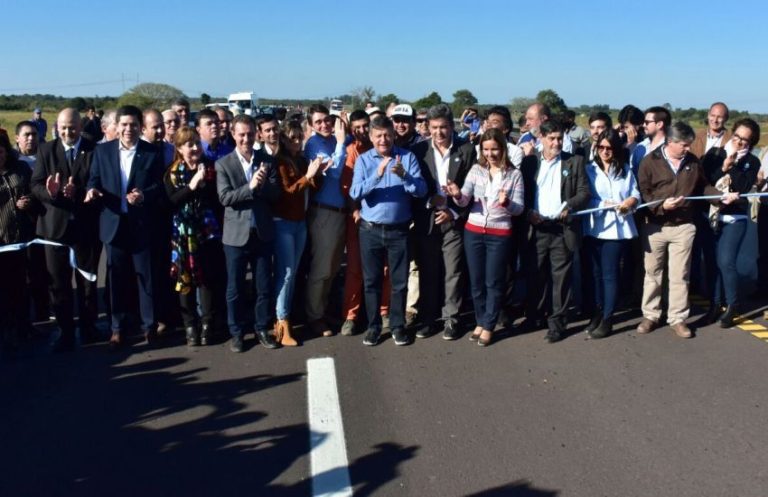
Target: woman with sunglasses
[[731, 168], [614, 188]]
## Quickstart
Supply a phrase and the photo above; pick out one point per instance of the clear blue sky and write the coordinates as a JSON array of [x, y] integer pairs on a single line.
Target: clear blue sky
[[590, 52]]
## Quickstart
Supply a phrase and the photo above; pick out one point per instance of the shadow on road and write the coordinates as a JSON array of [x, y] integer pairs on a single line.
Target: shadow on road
[[519, 488], [95, 426]]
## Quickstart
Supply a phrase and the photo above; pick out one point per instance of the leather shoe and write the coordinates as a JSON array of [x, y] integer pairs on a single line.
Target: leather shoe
[[682, 330], [597, 318], [553, 336], [193, 337], [728, 318], [205, 334], [266, 339], [712, 314], [236, 345], [646, 326], [604, 329]]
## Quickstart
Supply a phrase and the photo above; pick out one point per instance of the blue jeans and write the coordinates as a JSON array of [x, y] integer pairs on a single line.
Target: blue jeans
[[728, 245], [605, 256], [258, 254], [290, 239], [487, 260], [376, 242]]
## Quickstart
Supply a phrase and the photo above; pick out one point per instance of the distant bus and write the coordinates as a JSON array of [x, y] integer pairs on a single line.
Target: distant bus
[[336, 106]]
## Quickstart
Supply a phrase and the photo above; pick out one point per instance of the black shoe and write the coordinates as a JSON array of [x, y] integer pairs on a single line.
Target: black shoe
[[236, 345], [450, 332], [426, 331], [553, 336], [597, 318], [712, 315], [400, 337], [372, 337], [728, 318], [206, 334], [266, 339], [193, 337], [532, 324], [604, 329], [150, 336], [65, 343], [89, 334]]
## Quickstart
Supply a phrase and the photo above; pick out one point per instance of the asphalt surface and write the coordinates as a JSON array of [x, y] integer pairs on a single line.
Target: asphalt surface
[[625, 416]]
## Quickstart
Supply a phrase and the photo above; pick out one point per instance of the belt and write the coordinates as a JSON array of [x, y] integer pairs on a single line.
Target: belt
[[385, 227], [342, 210]]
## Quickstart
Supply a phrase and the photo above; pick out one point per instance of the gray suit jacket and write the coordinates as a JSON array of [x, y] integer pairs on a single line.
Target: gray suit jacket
[[240, 201]]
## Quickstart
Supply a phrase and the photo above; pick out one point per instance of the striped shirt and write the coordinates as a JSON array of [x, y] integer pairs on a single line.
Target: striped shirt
[[481, 193]]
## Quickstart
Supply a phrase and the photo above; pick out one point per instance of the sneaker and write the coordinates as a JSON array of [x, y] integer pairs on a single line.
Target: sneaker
[[236, 345], [385, 321], [450, 332], [348, 328], [426, 331], [400, 337], [372, 337]]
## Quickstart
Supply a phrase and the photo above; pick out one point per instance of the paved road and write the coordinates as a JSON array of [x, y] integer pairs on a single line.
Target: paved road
[[626, 416]]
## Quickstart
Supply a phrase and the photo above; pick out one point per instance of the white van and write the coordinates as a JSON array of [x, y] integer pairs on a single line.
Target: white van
[[243, 103]]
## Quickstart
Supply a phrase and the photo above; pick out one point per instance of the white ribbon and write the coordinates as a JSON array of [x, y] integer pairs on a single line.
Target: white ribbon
[[657, 202], [72, 260]]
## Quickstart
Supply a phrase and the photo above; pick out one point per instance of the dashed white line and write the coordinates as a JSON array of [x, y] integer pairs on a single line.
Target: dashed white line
[[329, 465]]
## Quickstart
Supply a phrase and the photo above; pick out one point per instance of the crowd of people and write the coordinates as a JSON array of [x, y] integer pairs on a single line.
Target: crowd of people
[[237, 224]]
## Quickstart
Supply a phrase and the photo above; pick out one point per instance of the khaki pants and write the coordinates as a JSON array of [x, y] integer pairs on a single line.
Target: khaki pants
[[674, 243], [326, 233]]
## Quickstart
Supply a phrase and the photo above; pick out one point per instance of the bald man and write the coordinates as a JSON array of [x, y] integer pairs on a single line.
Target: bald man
[[58, 183], [153, 131], [715, 135]]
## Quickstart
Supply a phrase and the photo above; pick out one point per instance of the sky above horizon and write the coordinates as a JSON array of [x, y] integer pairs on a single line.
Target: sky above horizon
[[593, 52]]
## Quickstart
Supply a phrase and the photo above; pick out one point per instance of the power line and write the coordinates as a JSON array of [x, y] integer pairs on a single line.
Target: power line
[[72, 85]]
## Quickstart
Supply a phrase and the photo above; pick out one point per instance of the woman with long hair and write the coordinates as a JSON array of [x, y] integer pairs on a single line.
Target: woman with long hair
[[197, 257], [731, 168], [493, 190], [607, 231], [297, 177]]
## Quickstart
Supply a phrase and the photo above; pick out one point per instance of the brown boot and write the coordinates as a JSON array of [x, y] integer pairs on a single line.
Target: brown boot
[[286, 336]]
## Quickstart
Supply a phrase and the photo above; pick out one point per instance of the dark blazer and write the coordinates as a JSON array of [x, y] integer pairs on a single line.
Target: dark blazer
[[146, 175], [56, 213], [462, 157], [240, 201], [574, 189]]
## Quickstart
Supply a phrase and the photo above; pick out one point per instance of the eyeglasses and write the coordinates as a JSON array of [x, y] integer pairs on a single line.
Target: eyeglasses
[[421, 119], [400, 119], [604, 148], [649, 121], [739, 138]]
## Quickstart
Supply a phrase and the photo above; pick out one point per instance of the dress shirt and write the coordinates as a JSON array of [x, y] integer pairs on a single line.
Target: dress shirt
[[71, 158], [641, 150], [330, 191], [247, 166], [386, 199], [608, 224], [548, 202], [126, 162], [214, 154], [714, 141]]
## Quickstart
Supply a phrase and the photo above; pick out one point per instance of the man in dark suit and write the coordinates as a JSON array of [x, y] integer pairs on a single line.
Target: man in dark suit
[[247, 182], [438, 225], [126, 177], [58, 183], [555, 185]]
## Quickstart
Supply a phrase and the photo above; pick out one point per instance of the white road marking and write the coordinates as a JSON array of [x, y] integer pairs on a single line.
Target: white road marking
[[328, 448]]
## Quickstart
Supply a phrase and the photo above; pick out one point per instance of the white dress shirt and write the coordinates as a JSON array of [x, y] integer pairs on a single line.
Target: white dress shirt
[[126, 162]]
